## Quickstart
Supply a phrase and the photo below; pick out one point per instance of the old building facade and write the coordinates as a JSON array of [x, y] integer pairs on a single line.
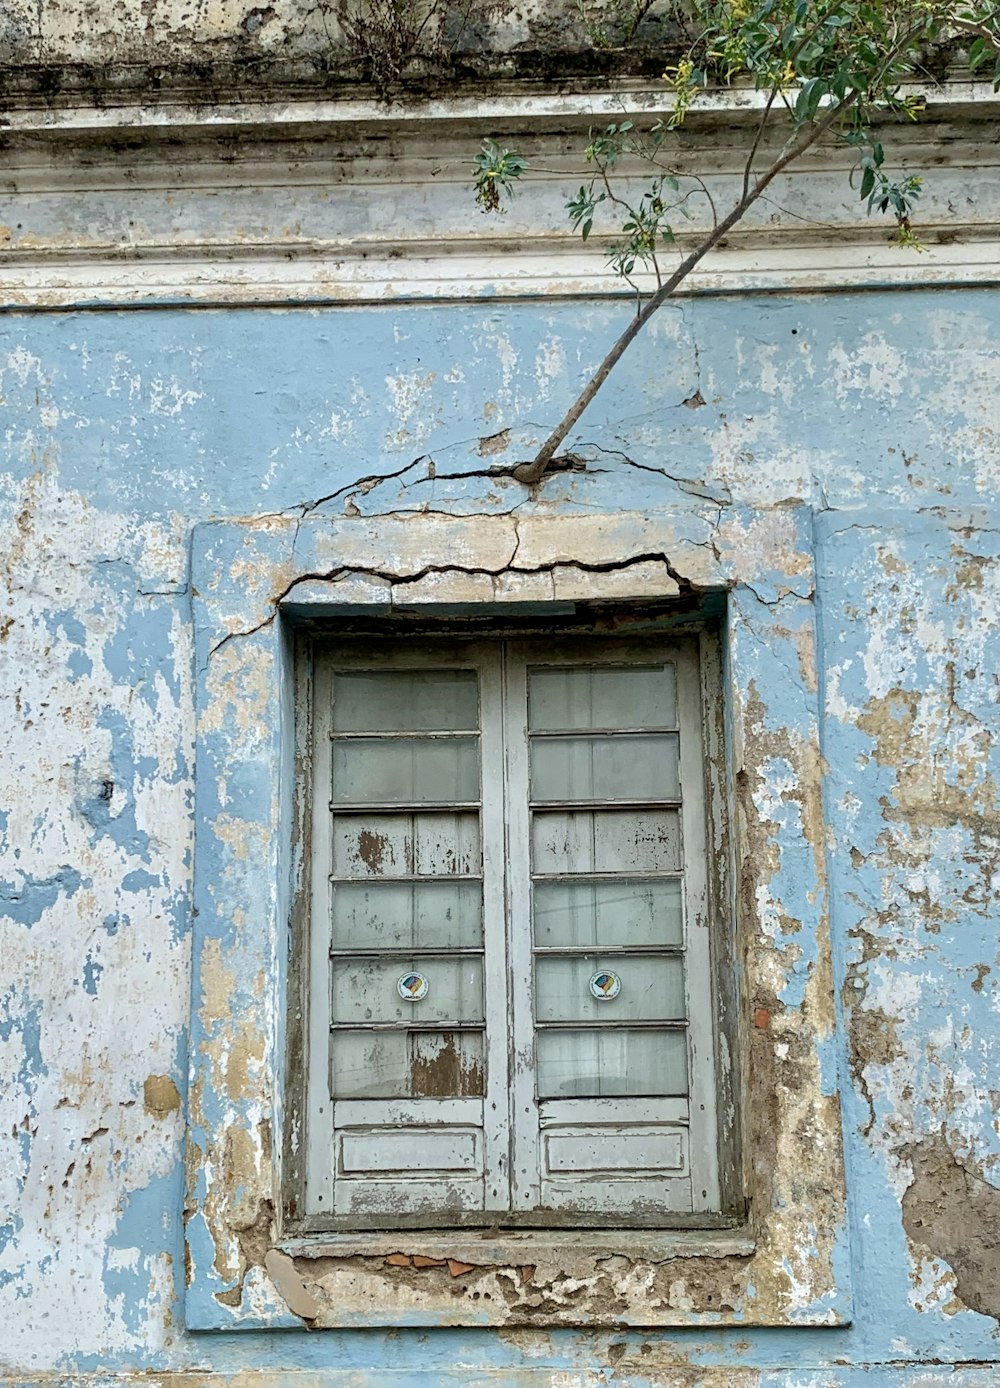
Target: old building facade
[[267, 381]]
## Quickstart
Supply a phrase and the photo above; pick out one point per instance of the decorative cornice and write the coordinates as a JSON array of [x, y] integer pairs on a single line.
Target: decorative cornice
[[511, 106], [343, 201]]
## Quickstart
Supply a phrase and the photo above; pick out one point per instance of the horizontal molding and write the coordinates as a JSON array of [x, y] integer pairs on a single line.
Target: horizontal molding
[[510, 107], [346, 202], [238, 277]]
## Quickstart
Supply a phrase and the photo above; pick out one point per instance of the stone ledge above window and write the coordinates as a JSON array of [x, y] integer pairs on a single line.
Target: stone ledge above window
[[790, 1265]]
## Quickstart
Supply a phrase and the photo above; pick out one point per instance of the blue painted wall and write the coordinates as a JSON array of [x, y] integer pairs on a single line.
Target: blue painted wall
[[120, 430]]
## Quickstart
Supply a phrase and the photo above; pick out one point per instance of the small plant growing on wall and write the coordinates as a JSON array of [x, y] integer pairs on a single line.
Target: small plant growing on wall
[[615, 24], [816, 69], [388, 36]]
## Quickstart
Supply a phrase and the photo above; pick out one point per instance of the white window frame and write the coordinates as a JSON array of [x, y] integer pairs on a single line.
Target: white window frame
[[508, 1133]]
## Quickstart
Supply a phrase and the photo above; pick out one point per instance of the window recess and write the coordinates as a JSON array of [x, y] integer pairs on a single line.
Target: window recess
[[510, 1003]]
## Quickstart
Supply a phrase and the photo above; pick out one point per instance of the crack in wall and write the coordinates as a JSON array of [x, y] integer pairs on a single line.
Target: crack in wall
[[519, 472], [566, 462], [396, 579], [685, 483]]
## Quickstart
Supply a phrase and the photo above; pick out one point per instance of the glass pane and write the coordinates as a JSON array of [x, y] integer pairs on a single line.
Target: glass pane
[[446, 1064], [382, 915], [404, 845], [608, 913], [368, 990], [626, 767], [375, 770], [406, 1064], [594, 1064], [628, 841], [405, 701], [602, 697], [636, 988]]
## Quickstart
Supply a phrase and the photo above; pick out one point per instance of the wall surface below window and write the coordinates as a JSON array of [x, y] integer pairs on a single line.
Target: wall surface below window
[[120, 430]]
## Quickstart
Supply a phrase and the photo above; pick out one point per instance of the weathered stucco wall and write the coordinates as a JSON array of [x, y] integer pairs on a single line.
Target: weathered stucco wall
[[122, 430], [159, 46]]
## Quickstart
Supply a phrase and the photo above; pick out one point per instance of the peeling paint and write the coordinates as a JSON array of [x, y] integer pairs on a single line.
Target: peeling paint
[[830, 479], [952, 1213]]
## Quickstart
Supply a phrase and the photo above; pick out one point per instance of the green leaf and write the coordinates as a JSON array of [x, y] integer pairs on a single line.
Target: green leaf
[[978, 53], [809, 97]]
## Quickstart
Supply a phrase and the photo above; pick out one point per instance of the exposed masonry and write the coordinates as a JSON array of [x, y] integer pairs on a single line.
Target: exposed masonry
[[954, 1213], [558, 1292]]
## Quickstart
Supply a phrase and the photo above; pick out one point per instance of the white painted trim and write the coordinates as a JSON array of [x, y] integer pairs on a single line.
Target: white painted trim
[[496, 1117], [525, 1181], [284, 281], [329, 202], [508, 109], [275, 279]]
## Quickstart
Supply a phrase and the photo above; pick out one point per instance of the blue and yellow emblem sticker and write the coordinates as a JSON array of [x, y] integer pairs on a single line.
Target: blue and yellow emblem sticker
[[412, 987], [605, 985]]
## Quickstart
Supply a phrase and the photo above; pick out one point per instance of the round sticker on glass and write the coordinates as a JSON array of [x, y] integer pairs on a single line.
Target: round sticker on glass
[[605, 985], [412, 987]]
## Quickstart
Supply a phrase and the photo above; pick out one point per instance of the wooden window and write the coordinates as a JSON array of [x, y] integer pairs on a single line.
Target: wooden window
[[509, 985]]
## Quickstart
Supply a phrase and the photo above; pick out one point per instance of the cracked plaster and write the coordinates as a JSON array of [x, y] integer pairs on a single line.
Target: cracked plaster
[[100, 491]]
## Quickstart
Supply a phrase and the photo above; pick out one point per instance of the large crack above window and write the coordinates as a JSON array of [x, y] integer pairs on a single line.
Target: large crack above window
[[398, 579]]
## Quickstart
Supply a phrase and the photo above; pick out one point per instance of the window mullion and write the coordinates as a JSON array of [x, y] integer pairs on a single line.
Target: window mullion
[[496, 1122], [525, 1185]]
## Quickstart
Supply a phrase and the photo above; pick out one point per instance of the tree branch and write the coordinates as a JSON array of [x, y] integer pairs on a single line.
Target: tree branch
[[532, 473]]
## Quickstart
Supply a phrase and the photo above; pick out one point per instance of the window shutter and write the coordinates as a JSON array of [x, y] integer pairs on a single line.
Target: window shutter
[[605, 757], [510, 1001], [407, 883]]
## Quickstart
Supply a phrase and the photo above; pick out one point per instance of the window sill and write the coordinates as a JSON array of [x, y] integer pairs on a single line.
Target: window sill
[[634, 1277], [517, 1248]]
